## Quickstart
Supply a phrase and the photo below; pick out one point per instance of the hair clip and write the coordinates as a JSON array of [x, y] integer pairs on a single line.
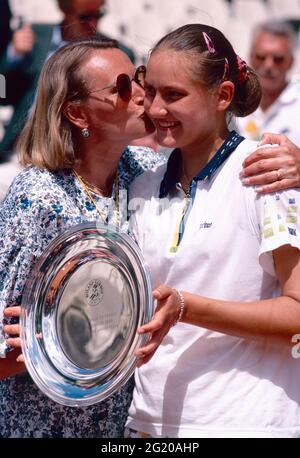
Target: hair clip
[[209, 43], [243, 70], [226, 70]]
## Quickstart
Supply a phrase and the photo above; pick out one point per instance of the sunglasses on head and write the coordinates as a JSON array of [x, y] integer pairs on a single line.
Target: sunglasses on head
[[123, 83], [85, 17]]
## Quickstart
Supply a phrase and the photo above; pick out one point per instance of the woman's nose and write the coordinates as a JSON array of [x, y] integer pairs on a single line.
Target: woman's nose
[[157, 109]]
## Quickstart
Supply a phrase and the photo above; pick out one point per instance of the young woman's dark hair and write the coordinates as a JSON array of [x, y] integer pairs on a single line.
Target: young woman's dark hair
[[214, 60]]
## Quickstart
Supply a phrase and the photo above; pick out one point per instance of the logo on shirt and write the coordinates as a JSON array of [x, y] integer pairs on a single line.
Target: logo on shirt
[[205, 225]]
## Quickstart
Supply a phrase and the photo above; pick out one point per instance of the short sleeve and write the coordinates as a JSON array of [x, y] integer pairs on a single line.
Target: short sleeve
[[135, 161], [278, 224]]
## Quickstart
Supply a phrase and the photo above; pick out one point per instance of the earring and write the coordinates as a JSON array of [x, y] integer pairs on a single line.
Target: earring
[[85, 133]]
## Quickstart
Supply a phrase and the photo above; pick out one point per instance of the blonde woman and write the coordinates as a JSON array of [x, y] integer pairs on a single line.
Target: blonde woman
[[74, 151]]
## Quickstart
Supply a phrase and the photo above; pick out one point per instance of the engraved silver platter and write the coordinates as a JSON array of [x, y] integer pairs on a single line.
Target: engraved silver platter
[[87, 295]]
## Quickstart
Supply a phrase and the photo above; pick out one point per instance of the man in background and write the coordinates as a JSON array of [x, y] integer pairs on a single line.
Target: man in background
[[30, 46], [272, 57], [5, 17]]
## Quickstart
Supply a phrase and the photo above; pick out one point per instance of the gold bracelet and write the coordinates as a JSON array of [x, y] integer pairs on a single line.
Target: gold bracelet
[[181, 306]]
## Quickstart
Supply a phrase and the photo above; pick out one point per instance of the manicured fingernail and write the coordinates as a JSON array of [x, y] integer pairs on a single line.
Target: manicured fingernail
[[259, 189], [246, 181]]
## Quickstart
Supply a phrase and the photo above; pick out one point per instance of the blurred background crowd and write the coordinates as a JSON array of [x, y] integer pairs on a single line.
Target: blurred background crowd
[[30, 30], [139, 23]]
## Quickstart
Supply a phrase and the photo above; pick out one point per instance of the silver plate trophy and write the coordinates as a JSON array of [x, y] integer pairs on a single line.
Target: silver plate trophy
[[87, 295]]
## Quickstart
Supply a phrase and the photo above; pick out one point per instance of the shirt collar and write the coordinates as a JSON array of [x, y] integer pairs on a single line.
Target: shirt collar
[[56, 40], [57, 36], [290, 94], [172, 174]]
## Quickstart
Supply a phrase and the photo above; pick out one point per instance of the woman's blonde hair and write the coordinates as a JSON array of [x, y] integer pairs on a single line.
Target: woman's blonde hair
[[46, 140]]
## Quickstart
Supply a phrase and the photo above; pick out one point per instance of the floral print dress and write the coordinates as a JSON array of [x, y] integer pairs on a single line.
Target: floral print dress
[[39, 206]]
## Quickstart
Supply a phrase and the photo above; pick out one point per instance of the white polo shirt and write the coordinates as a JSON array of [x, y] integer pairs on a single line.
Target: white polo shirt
[[282, 117], [202, 383]]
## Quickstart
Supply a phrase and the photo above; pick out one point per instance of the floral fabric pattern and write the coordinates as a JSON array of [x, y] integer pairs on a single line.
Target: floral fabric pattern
[[39, 206]]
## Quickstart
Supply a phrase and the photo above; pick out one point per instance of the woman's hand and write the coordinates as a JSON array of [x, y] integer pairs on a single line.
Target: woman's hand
[[273, 168], [165, 316], [14, 330], [14, 362]]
